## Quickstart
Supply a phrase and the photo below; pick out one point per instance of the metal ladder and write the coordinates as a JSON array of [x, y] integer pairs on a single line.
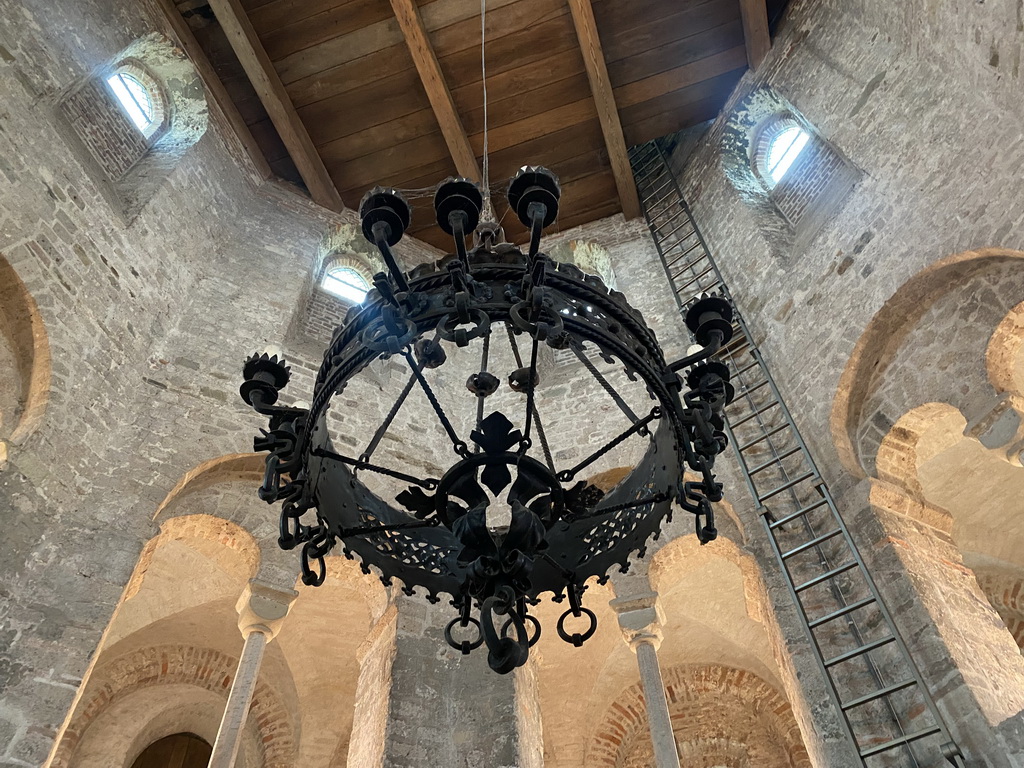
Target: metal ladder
[[885, 707]]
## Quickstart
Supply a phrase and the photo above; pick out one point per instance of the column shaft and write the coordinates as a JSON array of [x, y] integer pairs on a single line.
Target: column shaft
[[659, 721], [229, 736]]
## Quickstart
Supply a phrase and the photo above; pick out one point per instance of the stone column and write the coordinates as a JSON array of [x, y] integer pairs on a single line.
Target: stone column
[[640, 619], [421, 703], [261, 611]]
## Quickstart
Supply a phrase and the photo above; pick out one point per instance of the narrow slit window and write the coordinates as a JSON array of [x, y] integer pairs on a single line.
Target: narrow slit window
[[135, 100], [783, 151], [346, 283]]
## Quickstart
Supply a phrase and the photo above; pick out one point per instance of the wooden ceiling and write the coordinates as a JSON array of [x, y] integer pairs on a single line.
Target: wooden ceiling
[[341, 95]]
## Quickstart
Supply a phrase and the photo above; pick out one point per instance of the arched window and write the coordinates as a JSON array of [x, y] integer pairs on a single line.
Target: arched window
[[346, 282], [783, 150], [135, 99], [779, 146]]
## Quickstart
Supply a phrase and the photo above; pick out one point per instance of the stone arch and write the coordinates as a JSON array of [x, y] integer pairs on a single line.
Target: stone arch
[[667, 559], [233, 467], [876, 348], [193, 667], [1005, 592], [26, 376], [228, 545], [1004, 356], [691, 689]]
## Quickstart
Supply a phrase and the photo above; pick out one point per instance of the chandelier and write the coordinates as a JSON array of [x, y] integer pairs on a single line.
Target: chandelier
[[504, 523]]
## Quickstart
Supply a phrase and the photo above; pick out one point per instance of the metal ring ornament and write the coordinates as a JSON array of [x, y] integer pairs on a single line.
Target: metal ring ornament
[[531, 641], [576, 638], [465, 646], [448, 329], [517, 314], [379, 338]]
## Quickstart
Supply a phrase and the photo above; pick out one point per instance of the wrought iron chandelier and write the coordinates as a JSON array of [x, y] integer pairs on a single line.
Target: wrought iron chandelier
[[559, 530]]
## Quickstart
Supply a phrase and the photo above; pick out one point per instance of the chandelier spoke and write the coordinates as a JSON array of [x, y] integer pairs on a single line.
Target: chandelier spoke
[[458, 445], [386, 424], [570, 474], [428, 483], [592, 369]]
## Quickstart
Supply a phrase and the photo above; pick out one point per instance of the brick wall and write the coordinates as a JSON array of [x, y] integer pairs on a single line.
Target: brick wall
[[104, 128]]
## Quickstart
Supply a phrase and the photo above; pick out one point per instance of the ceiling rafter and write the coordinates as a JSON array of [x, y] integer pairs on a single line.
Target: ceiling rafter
[[409, 19], [608, 113], [755, 31], [271, 91]]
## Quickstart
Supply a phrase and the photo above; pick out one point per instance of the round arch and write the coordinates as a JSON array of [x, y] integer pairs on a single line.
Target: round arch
[[691, 691], [877, 346], [28, 378], [177, 671]]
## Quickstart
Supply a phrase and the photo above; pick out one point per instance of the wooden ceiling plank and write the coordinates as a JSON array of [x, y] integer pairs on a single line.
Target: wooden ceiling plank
[[677, 101], [335, 20], [221, 100], [648, 63], [755, 31], [408, 15], [275, 99], [681, 77], [670, 122], [663, 28], [601, 88]]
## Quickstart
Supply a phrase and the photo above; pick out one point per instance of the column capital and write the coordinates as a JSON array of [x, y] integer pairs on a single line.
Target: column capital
[[640, 618], [262, 608]]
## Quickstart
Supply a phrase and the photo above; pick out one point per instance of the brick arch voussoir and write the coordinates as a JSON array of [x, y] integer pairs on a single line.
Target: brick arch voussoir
[[878, 344], [203, 668], [627, 715]]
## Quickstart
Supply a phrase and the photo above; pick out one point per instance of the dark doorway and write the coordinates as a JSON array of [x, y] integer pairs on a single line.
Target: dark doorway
[[182, 750]]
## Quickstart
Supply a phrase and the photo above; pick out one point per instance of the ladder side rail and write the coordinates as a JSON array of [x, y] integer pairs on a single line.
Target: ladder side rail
[[949, 749]]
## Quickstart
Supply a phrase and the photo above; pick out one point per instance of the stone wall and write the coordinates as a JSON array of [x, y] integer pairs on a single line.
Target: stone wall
[[920, 98]]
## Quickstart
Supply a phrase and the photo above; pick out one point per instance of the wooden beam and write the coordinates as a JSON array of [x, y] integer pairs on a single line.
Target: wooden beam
[[408, 14], [268, 85], [755, 31], [215, 87], [608, 114]]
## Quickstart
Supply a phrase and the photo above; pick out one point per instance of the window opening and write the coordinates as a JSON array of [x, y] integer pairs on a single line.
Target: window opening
[[135, 99], [783, 150], [346, 283]]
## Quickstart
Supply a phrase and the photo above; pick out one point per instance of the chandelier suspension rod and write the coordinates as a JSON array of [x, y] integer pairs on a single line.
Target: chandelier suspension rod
[[386, 424]]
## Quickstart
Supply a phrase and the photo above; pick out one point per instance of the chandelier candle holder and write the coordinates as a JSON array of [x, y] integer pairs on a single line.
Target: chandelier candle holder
[[557, 529]]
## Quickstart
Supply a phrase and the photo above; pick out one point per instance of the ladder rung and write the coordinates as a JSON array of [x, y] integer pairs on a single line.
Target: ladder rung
[[765, 436], [826, 576], [899, 742], [686, 253], [841, 612], [754, 414], [746, 368], [684, 219], [741, 390], [708, 270], [775, 460], [859, 651], [811, 543], [798, 513], [878, 694], [787, 486], [657, 190]]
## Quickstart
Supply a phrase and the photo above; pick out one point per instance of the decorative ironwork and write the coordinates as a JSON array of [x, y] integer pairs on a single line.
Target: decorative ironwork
[[441, 537]]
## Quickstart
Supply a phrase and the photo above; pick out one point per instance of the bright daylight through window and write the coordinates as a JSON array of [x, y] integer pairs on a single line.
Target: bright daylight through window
[[134, 98], [784, 150], [346, 283]]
